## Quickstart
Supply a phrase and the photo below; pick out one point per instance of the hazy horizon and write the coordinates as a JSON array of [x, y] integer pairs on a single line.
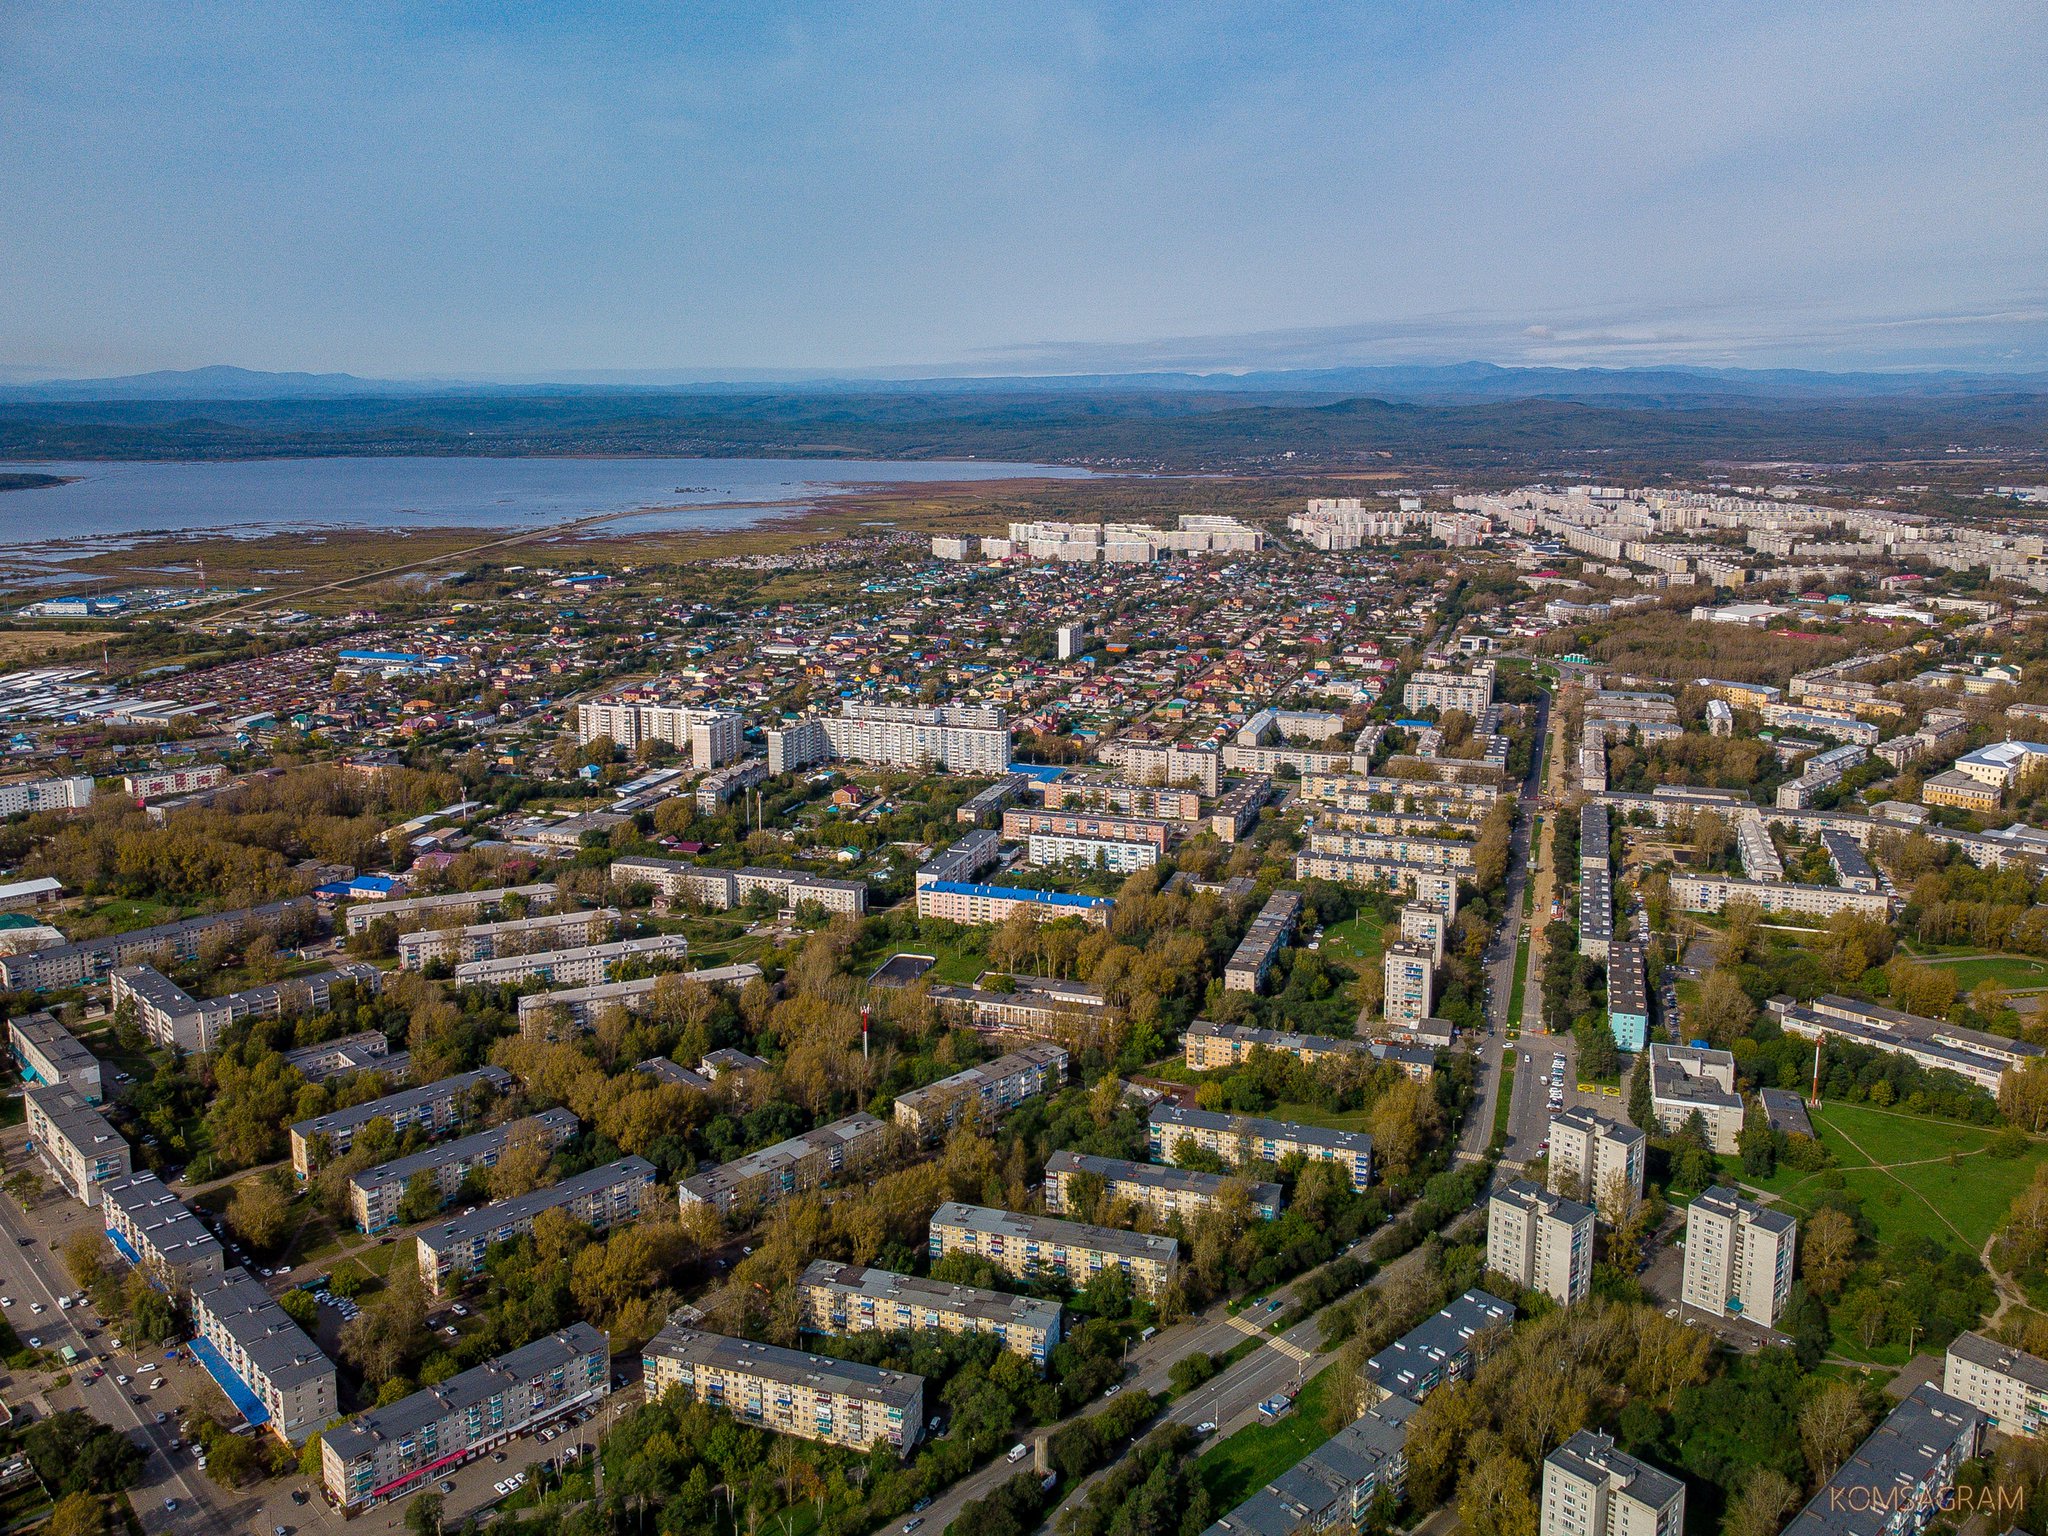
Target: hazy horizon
[[433, 192]]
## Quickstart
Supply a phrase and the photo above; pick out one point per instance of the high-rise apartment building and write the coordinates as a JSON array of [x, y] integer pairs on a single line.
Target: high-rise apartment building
[[1540, 1241], [1591, 1488], [1596, 1161], [1738, 1257]]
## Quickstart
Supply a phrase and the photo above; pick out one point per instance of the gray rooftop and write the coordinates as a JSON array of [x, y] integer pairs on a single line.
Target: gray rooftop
[[57, 1044], [266, 1334], [1077, 1234], [964, 1300], [1158, 1176], [405, 1099], [487, 1219], [400, 1169], [1282, 1130], [1724, 1201], [2002, 1358], [1593, 1457], [360, 1436], [1425, 1349], [790, 1366], [1785, 1111], [1909, 1450]]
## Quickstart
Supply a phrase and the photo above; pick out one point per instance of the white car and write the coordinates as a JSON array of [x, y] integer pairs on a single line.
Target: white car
[[158, 1382], [120, 1381], [36, 1307], [6, 1301], [501, 1488]]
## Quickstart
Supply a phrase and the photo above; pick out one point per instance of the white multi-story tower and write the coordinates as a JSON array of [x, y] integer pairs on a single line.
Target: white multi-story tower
[[1738, 1257], [1542, 1242]]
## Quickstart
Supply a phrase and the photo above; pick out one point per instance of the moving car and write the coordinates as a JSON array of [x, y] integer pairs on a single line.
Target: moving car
[[1019, 1452]]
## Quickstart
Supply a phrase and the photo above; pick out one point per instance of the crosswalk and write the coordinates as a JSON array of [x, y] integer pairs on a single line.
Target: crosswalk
[[1252, 1330]]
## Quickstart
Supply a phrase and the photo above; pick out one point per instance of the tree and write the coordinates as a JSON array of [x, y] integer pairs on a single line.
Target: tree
[[76, 1514], [260, 1212], [1642, 1108], [83, 1253], [1724, 1010], [1493, 1499], [2023, 1095], [1831, 1426], [1767, 1498], [521, 1167], [423, 1515], [1830, 1245], [1758, 1144]]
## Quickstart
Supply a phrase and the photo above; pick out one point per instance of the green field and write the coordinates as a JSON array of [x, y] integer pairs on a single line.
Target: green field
[[1914, 1174], [1357, 939], [2009, 971], [1308, 1114], [1237, 1468]]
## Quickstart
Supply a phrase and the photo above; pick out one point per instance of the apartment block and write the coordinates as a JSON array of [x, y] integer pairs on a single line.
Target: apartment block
[[1163, 1193], [712, 737], [26, 796], [1155, 801], [1436, 690], [1044, 1248], [365, 1051], [1738, 1257], [953, 901], [91, 960], [580, 967], [1159, 762], [154, 1230], [1710, 893], [1269, 932], [721, 890], [764, 1178], [274, 1374], [1540, 1241], [2006, 1385], [1688, 1080], [1442, 1348], [841, 1298], [1423, 882], [1428, 926], [1396, 847], [47, 1055], [420, 911], [1977, 1056], [584, 1006], [994, 1088], [1212, 1047], [1596, 1161], [515, 936], [1592, 1488], [1086, 826], [1898, 1482], [1628, 997], [173, 781], [600, 1198], [392, 1451], [171, 1016], [1409, 972], [1042, 1006], [787, 1391], [1244, 1141], [434, 1107], [74, 1142], [374, 1194], [1333, 1488]]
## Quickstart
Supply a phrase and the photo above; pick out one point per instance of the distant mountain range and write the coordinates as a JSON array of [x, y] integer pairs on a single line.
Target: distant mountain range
[[1641, 387]]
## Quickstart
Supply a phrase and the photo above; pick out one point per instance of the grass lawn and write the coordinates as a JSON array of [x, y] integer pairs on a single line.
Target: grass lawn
[[2009, 971], [1308, 1114], [1518, 997], [1915, 1174], [1355, 939], [1237, 1468]]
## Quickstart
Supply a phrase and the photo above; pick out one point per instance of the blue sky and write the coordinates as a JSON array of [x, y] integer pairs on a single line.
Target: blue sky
[[547, 190]]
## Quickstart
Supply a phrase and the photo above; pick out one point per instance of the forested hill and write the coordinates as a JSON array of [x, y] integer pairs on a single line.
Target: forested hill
[[1173, 430]]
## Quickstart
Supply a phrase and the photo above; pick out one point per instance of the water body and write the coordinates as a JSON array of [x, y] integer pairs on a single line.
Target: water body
[[118, 503]]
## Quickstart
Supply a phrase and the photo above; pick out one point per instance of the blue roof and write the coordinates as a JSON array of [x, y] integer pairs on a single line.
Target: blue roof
[[127, 1251], [1018, 893], [1039, 773], [246, 1402]]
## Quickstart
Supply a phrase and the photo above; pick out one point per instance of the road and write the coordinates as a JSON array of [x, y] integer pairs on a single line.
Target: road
[[1231, 1399], [1477, 1132], [33, 1273]]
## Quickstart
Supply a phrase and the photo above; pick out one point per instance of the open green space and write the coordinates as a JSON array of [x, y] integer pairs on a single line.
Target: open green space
[[1518, 995], [1356, 939], [2009, 971], [1308, 1114], [1238, 1467], [1915, 1174]]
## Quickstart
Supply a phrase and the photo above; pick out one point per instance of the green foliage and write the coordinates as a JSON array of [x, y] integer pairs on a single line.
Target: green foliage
[[74, 1453]]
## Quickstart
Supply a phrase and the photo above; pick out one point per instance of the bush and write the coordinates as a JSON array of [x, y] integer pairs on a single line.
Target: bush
[[1190, 1371]]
